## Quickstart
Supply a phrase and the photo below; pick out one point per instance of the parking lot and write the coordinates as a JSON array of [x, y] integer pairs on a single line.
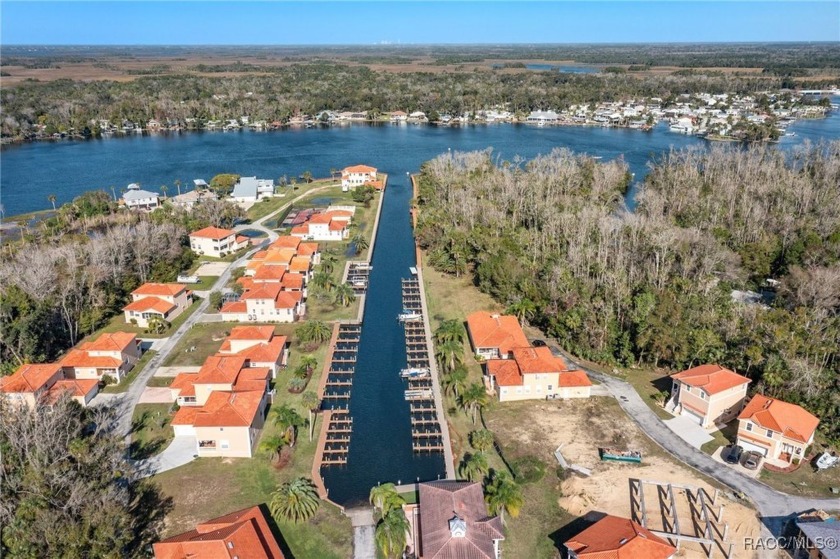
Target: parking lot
[[719, 455]]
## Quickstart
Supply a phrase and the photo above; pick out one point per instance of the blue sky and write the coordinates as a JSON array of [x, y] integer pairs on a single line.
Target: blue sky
[[297, 23]]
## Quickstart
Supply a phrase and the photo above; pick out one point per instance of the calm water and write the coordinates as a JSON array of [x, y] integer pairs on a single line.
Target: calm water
[[565, 69]]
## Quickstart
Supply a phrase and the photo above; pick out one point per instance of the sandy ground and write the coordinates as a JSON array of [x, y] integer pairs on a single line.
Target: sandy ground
[[212, 269], [585, 425]]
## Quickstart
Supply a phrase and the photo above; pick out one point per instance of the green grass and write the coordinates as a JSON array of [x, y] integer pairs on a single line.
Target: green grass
[[226, 258], [118, 324], [269, 205], [723, 437], [647, 383], [160, 382], [205, 283], [805, 481], [201, 337], [151, 432], [132, 374]]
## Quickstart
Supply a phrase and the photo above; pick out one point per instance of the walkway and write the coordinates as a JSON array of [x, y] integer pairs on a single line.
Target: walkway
[[773, 506], [364, 529]]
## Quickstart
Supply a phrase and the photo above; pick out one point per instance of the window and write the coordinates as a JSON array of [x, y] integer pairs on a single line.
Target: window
[[702, 395], [550, 387], [748, 426], [687, 388], [210, 445], [225, 444], [769, 434]]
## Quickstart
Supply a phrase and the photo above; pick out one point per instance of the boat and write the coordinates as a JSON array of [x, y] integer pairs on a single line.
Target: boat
[[827, 460], [408, 316], [421, 394], [611, 454], [413, 271], [414, 373]]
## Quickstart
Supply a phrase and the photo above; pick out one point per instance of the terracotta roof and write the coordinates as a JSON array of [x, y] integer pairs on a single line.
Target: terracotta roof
[[242, 239], [306, 249], [441, 502], [76, 388], [287, 299], [252, 378], [489, 330], [237, 307], [81, 358], [537, 360], [244, 534], [619, 538], [711, 378], [262, 291], [220, 369], [300, 230], [212, 233], [150, 304], [790, 420], [505, 371], [184, 383], [285, 241], [260, 254], [574, 378], [29, 377], [300, 264], [337, 226], [165, 289], [341, 215], [184, 416], [246, 282], [269, 273], [257, 333], [292, 281], [321, 218], [270, 352], [116, 341], [358, 169], [229, 409], [280, 256]]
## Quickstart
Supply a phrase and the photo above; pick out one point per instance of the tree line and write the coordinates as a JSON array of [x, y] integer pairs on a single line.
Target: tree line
[[552, 239]]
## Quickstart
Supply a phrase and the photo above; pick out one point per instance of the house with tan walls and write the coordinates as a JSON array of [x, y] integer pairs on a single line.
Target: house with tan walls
[[110, 355], [163, 300], [216, 242], [493, 335], [260, 347], [45, 383], [708, 394], [779, 431], [534, 373]]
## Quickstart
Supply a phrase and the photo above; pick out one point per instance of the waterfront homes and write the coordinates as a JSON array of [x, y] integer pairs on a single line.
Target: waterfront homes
[[137, 199], [450, 521], [777, 430], [535, 373], [708, 394], [543, 117], [618, 538], [493, 336], [162, 300], [216, 242], [357, 175], [265, 302], [33, 383], [243, 534], [330, 225], [251, 189], [110, 355], [259, 346]]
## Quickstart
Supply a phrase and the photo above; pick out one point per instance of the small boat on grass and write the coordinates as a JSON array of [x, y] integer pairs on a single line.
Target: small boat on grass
[[611, 454]]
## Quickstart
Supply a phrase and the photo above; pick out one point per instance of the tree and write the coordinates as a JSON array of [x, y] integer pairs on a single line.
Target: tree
[[273, 444], [524, 310], [344, 295], [308, 362], [363, 194], [384, 498], [68, 488], [360, 242], [449, 355], [312, 404], [448, 331], [295, 501], [474, 466], [157, 325], [216, 300], [482, 440], [455, 381], [315, 331], [306, 176], [474, 398], [288, 420], [503, 494], [323, 280], [52, 200], [164, 189], [390, 534], [178, 186], [328, 262], [223, 184]]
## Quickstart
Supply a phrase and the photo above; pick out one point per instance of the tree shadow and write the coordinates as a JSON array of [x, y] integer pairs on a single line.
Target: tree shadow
[[149, 508], [275, 531], [574, 528]]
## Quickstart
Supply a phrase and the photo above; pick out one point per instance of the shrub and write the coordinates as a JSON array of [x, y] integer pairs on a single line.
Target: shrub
[[297, 384], [108, 380], [528, 469]]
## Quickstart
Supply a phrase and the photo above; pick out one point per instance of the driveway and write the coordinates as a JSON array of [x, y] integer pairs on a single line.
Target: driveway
[[212, 269], [181, 451], [153, 343], [156, 395], [689, 431], [717, 456]]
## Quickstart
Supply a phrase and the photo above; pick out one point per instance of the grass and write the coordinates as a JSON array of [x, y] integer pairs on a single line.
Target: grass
[[269, 205], [118, 324], [151, 432], [210, 487], [805, 481], [201, 337], [204, 284], [226, 258], [160, 382], [123, 385], [723, 437]]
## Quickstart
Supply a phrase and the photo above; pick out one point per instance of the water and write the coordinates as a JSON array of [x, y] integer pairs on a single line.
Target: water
[[380, 445], [252, 233], [564, 69], [31, 172]]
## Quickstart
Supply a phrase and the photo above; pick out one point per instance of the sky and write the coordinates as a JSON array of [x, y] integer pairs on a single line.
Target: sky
[[323, 23]]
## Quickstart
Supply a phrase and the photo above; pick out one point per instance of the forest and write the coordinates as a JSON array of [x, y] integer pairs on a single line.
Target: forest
[[551, 238]]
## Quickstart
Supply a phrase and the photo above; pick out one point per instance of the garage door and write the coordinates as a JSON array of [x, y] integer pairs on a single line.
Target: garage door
[[692, 416], [748, 446]]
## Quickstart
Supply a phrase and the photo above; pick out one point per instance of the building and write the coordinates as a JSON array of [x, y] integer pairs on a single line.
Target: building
[[161, 300], [777, 430], [110, 355], [398, 116], [216, 242], [453, 522], [618, 538], [244, 534], [45, 383], [251, 189], [534, 373], [493, 336], [259, 346], [357, 175], [331, 225], [543, 117], [136, 199], [820, 539], [708, 394], [266, 302]]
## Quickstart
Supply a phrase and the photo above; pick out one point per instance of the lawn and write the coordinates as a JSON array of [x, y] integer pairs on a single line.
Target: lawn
[[723, 437], [201, 337], [648, 384], [806, 481], [269, 205], [132, 374], [160, 382], [150, 430], [118, 324], [204, 284]]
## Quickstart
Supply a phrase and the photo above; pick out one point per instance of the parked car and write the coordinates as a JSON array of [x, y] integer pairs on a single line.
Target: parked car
[[734, 454], [751, 460], [538, 343]]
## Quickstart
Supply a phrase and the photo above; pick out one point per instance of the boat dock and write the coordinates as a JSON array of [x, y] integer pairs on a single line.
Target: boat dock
[[357, 276]]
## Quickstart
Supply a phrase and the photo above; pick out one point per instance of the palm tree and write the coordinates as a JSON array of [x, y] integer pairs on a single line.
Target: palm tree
[[360, 242], [449, 355], [323, 280], [307, 176], [289, 420], [273, 444], [344, 295], [385, 498], [328, 262], [312, 404], [482, 440], [391, 533], [315, 331], [474, 467], [455, 381], [52, 199], [163, 189], [295, 500], [523, 310], [308, 362], [450, 330], [473, 399], [178, 186], [157, 325], [503, 494]]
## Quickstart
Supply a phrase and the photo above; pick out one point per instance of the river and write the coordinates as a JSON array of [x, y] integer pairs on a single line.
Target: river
[[29, 173]]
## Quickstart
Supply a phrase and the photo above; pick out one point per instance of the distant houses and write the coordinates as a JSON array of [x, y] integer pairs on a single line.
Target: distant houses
[[251, 189], [216, 242], [32, 383], [165, 301], [330, 225], [135, 198]]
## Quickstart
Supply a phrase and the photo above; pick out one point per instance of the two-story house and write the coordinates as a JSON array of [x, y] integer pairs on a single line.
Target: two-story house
[[265, 302], [534, 373], [260, 347], [493, 336], [163, 300], [110, 355], [708, 394], [216, 242], [777, 430], [357, 175], [331, 225], [44, 383]]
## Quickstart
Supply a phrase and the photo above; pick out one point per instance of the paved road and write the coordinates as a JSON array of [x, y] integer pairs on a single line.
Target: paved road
[[773, 506]]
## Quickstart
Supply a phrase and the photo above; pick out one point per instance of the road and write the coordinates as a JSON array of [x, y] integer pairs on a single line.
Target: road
[[773, 506]]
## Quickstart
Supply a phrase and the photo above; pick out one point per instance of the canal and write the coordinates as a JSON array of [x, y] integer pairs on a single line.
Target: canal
[[381, 443]]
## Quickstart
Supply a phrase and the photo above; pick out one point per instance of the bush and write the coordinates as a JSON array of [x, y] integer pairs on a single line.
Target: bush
[[216, 300], [528, 469], [108, 380], [297, 384]]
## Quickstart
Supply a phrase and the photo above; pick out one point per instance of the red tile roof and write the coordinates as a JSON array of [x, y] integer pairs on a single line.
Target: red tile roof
[[270, 352], [269, 273], [358, 169], [237, 307], [300, 230], [441, 502], [619, 538], [287, 299], [338, 225], [116, 341], [260, 333], [81, 358], [293, 281], [574, 378], [150, 304], [300, 264], [711, 378], [286, 241], [244, 534], [790, 420], [229, 409], [212, 233], [164, 289], [262, 291], [76, 388], [185, 384], [29, 377], [220, 369], [505, 371], [306, 249], [537, 360], [488, 330]]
